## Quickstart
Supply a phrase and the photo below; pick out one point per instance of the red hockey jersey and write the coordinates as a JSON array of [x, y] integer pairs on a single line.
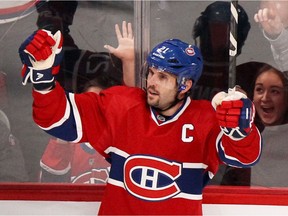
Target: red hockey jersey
[[158, 165], [67, 162]]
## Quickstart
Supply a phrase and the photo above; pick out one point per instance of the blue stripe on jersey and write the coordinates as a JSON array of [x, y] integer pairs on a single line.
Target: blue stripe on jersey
[[116, 171], [206, 178], [86, 148], [66, 131], [230, 161], [69, 129]]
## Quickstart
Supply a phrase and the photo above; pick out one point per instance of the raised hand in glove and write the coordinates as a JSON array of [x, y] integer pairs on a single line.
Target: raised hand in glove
[[41, 55], [235, 113]]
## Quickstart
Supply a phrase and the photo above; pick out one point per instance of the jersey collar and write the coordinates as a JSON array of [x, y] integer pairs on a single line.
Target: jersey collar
[[163, 120]]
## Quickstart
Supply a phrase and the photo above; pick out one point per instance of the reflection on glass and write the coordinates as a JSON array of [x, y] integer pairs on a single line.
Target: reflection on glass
[[85, 59], [84, 50], [273, 19], [269, 93], [270, 96], [211, 32]]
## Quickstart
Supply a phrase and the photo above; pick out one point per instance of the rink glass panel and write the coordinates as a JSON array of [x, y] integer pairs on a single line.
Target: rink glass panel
[[91, 26]]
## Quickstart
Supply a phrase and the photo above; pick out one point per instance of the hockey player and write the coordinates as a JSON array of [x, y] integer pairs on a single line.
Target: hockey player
[[163, 146], [66, 162]]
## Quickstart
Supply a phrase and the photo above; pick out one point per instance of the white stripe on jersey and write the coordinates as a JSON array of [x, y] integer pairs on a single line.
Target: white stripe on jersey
[[116, 183], [195, 165], [77, 118], [189, 196], [62, 120], [117, 151], [67, 115]]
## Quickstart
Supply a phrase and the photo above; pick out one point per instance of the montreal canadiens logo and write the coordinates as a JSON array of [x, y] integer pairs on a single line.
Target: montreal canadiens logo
[[190, 51], [95, 176], [151, 178]]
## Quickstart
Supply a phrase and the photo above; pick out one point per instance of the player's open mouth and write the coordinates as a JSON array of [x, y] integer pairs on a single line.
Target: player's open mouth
[[152, 92]]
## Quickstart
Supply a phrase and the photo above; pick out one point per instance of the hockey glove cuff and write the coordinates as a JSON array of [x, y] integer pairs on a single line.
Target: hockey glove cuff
[[235, 113], [41, 55]]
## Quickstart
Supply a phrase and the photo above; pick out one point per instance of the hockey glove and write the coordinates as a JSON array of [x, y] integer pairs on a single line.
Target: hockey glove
[[235, 113], [41, 55]]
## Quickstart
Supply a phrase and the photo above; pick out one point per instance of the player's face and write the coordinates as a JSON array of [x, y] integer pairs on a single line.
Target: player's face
[[161, 88], [270, 98]]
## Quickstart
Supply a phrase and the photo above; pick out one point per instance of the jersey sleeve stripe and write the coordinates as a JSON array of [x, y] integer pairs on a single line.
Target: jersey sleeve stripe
[[76, 117], [232, 161], [61, 121], [70, 121], [54, 171]]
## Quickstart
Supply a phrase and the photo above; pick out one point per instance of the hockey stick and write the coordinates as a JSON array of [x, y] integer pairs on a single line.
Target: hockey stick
[[233, 43]]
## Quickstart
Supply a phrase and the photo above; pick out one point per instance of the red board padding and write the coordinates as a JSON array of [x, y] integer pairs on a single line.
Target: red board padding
[[50, 192], [245, 195], [93, 193]]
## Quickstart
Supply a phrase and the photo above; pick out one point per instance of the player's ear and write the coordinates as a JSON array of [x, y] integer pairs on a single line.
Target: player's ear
[[188, 86]]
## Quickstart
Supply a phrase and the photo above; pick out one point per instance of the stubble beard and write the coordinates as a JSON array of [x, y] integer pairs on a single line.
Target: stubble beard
[[153, 102]]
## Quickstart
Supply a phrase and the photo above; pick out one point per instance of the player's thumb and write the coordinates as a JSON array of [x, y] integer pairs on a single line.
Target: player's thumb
[[218, 98], [58, 37]]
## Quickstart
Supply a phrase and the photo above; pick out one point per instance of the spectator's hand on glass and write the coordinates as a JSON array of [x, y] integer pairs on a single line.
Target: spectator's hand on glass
[[125, 49], [125, 52], [270, 21]]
